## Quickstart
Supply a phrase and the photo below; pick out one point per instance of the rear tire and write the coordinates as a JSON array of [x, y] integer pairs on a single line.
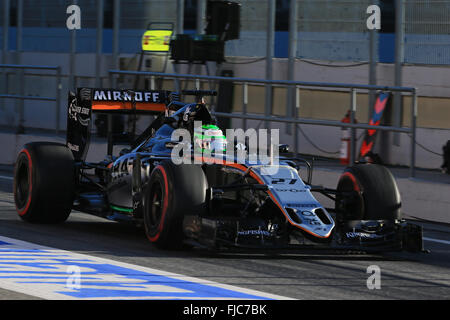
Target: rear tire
[[375, 194], [172, 192], [44, 182]]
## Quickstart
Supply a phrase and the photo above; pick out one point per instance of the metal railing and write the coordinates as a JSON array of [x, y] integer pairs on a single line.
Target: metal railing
[[56, 99], [244, 115], [267, 117]]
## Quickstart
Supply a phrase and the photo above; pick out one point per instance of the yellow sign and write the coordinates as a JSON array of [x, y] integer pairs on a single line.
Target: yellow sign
[[156, 40]]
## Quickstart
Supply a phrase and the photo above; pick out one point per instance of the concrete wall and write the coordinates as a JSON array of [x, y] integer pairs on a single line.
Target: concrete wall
[[328, 139]]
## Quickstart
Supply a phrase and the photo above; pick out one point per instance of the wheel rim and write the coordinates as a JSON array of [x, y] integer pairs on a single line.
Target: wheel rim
[[22, 185], [154, 210]]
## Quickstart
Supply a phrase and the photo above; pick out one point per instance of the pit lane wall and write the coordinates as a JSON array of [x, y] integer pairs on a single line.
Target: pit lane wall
[[421, 198]]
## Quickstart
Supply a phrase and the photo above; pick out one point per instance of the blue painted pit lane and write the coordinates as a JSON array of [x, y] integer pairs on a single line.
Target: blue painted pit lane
[[45, 272]]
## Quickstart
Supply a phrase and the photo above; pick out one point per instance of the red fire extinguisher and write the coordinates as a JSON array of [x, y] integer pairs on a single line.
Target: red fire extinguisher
[[345, 141]]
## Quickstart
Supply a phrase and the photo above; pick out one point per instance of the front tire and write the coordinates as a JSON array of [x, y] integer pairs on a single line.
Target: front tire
[[372, 194], [44, 182], [172, 192]]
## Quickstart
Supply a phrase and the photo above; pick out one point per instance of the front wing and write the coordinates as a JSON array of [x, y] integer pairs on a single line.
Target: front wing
[[357, 235]]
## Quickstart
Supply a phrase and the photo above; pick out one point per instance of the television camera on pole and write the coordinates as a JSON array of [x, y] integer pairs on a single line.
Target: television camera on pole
[[223, 19], [223, 24]]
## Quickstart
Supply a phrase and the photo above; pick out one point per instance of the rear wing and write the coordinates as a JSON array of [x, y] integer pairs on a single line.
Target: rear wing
[[85, 101], [127, 101]]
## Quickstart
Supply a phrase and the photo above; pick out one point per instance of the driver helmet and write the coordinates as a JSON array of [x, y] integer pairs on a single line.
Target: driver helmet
[[209, 138]]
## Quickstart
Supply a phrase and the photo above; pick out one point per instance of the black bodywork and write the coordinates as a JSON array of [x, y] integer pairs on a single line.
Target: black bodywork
[[242, 209]]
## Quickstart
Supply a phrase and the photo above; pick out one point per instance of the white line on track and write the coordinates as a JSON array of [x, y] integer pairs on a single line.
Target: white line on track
[[436, 240], [6, 178]]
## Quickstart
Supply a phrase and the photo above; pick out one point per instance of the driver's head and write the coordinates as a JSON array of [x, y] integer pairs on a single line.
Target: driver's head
[[209, 137]]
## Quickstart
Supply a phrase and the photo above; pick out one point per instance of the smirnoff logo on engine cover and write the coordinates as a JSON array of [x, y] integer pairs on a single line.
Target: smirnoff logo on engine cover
[[119, 95]]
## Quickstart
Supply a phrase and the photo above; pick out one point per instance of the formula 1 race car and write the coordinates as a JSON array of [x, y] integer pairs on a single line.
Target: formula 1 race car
[[209, 200]]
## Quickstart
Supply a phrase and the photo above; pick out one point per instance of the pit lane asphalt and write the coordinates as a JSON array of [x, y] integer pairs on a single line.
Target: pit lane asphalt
[[298, 276]]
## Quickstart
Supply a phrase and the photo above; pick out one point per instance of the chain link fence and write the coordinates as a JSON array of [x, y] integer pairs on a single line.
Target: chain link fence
[[1, 25], [44, 23], [253, 31], [427, 32], [327, 29], [135, 15], [333, 30]]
